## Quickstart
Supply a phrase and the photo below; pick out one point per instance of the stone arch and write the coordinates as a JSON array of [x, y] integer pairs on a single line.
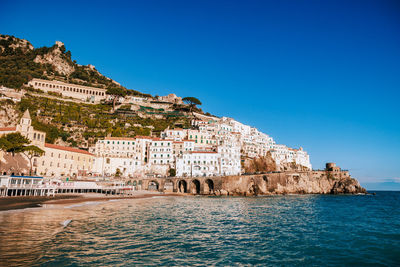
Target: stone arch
[[182, 186], [153, 185], [195, 186], [209, 186]]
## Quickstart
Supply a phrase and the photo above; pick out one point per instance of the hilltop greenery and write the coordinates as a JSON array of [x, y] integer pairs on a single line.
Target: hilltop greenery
[[17, 67]]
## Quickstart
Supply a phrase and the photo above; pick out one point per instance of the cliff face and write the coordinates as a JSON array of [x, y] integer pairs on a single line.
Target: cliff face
[[312, 182], [55, 57]]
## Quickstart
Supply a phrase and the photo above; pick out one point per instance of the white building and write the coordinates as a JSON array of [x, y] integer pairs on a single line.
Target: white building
[[160, 152], [176, 134], [57, 160], [114, 153], [198, 163], [84, 93], [229, 160]]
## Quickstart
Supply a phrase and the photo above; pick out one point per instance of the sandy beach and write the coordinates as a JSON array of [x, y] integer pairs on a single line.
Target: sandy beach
[[11, 203]]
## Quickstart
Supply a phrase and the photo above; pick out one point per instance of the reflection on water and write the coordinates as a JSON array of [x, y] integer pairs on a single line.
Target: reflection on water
[[283, 230]]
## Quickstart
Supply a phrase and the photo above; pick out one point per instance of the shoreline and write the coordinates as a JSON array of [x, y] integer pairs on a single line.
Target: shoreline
[[16, 203]]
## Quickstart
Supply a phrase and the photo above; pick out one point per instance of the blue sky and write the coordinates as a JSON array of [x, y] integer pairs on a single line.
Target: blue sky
[[324, 75]]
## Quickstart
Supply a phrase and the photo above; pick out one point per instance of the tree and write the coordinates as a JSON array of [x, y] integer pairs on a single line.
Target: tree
[[13, 143], [118, 173], [17, 143], [191, 101], [116, 92], [32, 152], [172, 172]]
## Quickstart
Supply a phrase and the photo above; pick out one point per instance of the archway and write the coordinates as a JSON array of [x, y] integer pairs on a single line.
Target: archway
[[153, 186], [182, 186], [209, 186], [195, 187]]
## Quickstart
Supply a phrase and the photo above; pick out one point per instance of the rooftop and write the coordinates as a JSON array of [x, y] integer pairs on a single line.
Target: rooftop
[[70, 149]]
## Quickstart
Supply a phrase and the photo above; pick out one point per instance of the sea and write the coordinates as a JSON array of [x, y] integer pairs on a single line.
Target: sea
[[289, 230]]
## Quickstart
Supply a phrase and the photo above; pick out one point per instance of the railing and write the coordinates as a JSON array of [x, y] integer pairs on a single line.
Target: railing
[[30, 186]]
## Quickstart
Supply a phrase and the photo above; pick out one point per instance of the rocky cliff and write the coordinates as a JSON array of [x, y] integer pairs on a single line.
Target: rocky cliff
[[311, 182]]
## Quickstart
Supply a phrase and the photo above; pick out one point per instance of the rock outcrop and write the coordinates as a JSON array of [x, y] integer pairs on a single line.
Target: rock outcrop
[[14, 43], [311, 182], [260, 164], [56, 59]]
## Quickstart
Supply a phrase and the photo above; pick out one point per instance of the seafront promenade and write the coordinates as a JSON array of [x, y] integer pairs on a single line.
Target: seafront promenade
[[332, 180], [11, 186]]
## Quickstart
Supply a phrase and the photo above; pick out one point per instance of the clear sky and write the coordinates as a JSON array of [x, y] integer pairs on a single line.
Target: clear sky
[[324, 75]]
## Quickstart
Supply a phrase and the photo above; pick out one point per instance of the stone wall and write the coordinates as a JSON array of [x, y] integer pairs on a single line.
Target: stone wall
[[311, 182]]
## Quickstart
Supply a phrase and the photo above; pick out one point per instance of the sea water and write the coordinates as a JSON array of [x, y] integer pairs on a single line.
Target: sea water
[[292, 230]]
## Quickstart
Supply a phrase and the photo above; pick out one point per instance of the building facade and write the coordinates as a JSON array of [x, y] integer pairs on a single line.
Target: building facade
[[83, 93], [57, 160]]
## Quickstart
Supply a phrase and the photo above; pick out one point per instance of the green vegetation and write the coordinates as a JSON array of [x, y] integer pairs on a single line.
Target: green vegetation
[[172, 172], [15, 143], [17, 66], [116, 92], [75, 123], [191, 101], [83, 124]]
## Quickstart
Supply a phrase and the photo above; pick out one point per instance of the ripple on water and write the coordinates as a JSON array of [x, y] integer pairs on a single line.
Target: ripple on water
[[282, 230]]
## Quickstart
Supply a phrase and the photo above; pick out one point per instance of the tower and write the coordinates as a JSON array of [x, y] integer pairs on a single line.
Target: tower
[[25, 122]]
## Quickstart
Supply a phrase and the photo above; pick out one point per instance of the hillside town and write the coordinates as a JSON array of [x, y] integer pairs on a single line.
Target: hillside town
[[67, 129], [210, 147]]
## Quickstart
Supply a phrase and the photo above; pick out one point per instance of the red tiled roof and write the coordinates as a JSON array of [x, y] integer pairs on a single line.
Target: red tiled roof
[[119, 138], [71, 149], [6, 129]]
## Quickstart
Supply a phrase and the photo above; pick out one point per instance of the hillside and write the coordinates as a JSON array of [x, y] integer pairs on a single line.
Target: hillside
[[73, 122], [20, 62]]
